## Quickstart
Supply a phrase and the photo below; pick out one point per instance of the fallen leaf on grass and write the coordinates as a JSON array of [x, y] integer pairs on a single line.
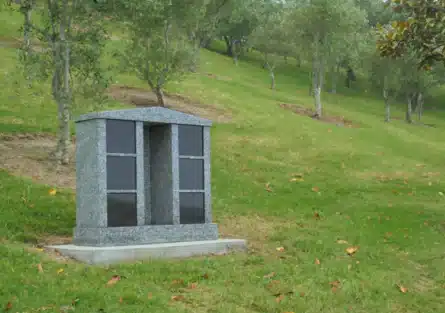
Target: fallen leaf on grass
[[60, 271], [403, 289], [280, 249], [268, 187], [342, 242], [335, 285], [351, 250], [178, 282], [121, 300], [279, 298], [49, 307], [317, 261], [295, 179], [270, 275], [8, 306], [193, 286], [317, 215], [150, 295], [52, 192], [40, 268], [315, 189], [178, 298], [66, 308], [272, 284], [114, 279]]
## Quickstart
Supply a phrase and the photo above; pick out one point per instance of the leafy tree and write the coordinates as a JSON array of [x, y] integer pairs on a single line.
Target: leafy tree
[[236, 27], [321, 24], [417, 83], [157, 48], [270, 38], [420, 28], [198, 19], [385, 75], [71, 39], [215, 11], [376, 11]]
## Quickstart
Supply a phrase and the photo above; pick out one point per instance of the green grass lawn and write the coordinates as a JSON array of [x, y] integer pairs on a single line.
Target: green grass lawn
[[377, 187]]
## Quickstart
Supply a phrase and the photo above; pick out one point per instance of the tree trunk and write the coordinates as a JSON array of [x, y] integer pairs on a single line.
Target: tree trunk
[[334, 78], [160, 96], [408, 116], [318, 78], [317, 84], [272, 77], [312, 78], [419, 106], [26, 9], [27, 28], [317, 99], [205, 42], [386, 99], [64, 142], [229, 46], [64, 100], [266, 60], [350, 77], [387, 107], [236, 51], [195, 60]]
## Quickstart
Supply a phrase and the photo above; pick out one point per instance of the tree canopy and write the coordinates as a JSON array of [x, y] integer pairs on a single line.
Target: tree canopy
[[420, 25]]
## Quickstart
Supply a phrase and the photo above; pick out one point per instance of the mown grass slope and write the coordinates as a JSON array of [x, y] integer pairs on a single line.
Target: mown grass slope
[[377, 187]]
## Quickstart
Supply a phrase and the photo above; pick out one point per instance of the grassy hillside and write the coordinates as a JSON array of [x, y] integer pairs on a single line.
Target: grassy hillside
[[279, 179]]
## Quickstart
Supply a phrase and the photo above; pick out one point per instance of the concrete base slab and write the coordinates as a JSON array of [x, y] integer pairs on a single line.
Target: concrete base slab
[[116, 254]]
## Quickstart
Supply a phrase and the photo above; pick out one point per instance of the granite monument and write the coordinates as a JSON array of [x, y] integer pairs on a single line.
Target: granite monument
[[143, 187]]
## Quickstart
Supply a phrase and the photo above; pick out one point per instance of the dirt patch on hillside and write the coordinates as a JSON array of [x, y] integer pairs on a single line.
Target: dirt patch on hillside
[[16, 43], [27, 155], [10, 42], [145, 98], [337, 120], [218, 77]]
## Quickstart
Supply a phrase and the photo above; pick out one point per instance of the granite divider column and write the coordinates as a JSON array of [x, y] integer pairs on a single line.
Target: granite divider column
[[175, 173], [140, 170], [207, 176]]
